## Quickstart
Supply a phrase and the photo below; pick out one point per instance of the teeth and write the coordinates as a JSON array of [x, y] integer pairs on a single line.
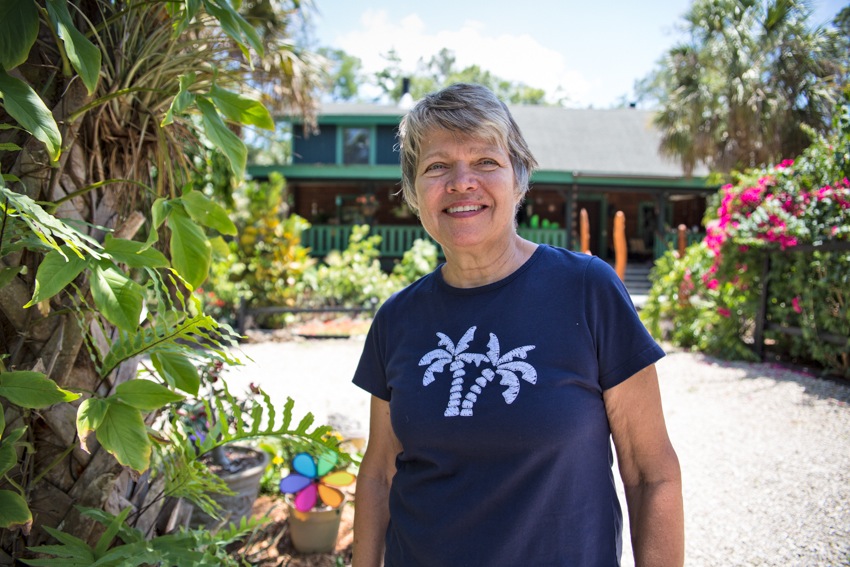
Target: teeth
[[464, 209]]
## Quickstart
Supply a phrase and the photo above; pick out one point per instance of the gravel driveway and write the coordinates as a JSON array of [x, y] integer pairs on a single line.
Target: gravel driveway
[[765, 451]]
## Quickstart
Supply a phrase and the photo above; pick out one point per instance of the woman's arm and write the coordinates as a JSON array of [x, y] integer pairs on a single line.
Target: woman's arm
[[649, 469], [371, 508]]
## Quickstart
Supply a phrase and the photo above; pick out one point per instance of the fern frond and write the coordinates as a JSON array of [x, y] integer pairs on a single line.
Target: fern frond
[[148, 339]]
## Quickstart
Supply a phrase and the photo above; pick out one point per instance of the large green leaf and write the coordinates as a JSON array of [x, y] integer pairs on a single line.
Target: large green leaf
[[54, 273], [208, 213], [145, 395], [13, 510], [222, 137], [134, 254], [116, 296], [90, 415], [8, 274], [32, 390], [241, 109], [177, 370], [191, 253], [122, 432], [8, 457], [159, 212], [18, 30], [182, 101], [26, 107], [83, 54], [234, 25]]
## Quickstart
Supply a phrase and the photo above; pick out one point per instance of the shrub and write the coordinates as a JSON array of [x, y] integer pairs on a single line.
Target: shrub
[[354, 277], [711, 295], [266, 263]]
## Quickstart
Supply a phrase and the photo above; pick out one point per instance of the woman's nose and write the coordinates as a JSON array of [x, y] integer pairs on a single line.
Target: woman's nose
[[462, 178]]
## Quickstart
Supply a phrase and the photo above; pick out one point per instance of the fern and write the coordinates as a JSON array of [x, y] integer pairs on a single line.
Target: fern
[[189, 478], [184, 548], [234, 421]]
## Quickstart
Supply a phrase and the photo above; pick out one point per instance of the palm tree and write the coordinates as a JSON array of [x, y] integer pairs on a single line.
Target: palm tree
[[748, 84], [140, 94], [457, 357]]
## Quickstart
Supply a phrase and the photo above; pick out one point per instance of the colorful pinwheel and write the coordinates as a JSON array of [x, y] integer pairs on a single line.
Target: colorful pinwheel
[[314, 479]]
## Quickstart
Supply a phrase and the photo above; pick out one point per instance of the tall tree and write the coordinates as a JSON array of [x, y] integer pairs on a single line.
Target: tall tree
[[751, 79], [441, 70]]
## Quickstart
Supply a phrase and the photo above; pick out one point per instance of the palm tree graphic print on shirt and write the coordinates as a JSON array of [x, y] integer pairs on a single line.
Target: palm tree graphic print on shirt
[[457, 357]]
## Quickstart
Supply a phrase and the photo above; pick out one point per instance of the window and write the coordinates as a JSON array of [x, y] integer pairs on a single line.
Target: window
[[355, 142]]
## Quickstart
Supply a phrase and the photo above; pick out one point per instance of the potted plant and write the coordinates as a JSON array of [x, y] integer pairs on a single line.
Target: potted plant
[[314, 500]]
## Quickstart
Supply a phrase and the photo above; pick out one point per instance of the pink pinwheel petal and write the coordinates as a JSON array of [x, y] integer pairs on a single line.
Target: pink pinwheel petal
[[306, 499], [293, 483], [304, 464]]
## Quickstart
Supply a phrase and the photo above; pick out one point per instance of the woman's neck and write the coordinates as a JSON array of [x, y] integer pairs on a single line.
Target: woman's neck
[[467, 269]]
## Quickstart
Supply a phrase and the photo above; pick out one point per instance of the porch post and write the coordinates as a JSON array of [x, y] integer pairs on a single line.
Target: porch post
[[660, 220], [570, 197]]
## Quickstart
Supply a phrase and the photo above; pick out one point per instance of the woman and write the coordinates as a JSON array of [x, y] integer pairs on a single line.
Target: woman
[[498, 379]]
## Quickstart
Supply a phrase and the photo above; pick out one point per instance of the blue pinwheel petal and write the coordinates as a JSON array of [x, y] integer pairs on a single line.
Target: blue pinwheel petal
[[293, 483], [304, 464]]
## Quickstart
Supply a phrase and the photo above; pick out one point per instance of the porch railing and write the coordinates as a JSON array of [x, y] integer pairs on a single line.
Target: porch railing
[[671, 241], [397, 239]]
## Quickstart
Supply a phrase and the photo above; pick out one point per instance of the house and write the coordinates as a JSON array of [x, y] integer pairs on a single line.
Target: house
[[602, 161]]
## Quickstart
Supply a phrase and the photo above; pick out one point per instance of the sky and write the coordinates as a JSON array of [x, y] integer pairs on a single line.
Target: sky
[[591, 51]]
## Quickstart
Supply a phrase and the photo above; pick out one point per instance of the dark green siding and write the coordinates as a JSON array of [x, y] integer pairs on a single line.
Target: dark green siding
[[319, 148], [385, 140]]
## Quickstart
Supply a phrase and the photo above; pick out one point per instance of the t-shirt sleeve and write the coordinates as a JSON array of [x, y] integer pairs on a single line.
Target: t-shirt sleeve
[[370, 373], [623, 345]]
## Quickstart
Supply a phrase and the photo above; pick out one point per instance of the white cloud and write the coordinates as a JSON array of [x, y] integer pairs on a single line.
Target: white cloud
[[513, 57]]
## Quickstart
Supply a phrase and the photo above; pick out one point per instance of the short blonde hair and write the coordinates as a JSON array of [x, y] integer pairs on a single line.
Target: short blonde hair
[[468, 109]]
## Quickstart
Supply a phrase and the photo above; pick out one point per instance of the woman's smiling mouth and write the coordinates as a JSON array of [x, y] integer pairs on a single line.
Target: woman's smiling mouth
[[464, 209]]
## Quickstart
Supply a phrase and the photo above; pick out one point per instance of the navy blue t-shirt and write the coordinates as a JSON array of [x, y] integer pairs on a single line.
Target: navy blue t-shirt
[[495, 394]]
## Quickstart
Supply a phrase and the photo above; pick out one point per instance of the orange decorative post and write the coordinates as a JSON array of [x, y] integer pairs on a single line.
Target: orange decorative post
[[683, 240], [584, 231], [620, 250]]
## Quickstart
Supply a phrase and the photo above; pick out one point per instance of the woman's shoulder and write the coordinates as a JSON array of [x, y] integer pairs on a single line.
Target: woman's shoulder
[[411, 292], [592, 269]]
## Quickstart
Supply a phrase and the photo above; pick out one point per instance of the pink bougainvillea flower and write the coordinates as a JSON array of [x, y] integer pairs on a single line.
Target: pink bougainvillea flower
[[785, 163], [313, 480], [724, 312], [795, 305], [712, 284]]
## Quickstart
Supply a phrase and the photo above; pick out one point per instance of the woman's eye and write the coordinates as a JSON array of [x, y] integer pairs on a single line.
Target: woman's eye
[[434, 166]]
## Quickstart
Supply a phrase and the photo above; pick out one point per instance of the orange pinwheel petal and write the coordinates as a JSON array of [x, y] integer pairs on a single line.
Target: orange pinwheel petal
[[330, 496]]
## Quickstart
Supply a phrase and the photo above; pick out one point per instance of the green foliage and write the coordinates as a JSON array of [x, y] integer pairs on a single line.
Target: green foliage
[[711, 296], [185, 547], [353, 277], [419, 261], [265, 264]]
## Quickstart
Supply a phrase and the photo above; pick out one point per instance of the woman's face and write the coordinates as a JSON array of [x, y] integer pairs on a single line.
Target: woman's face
[[466, 191]]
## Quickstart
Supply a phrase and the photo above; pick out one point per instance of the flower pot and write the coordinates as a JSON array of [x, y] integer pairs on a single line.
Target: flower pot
[[245, 483], [314, 531]]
